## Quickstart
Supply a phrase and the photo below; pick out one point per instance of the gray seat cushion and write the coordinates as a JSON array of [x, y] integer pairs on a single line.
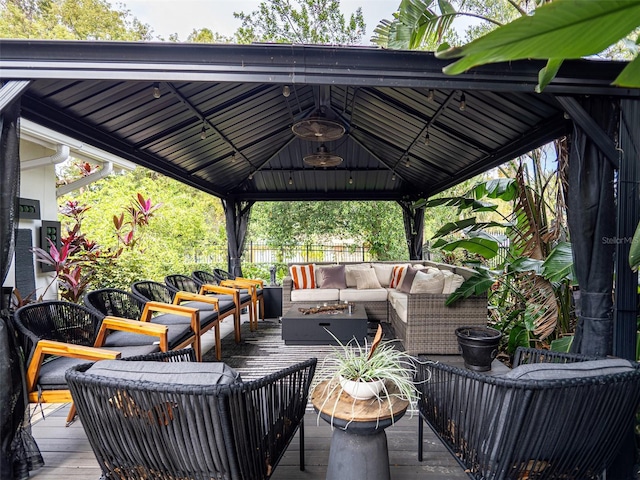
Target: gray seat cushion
[[179, 373], [554, 371], [175, 334], [51, 375]]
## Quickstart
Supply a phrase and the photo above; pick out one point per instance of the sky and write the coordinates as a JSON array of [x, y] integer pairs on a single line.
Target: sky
[[183, 16]]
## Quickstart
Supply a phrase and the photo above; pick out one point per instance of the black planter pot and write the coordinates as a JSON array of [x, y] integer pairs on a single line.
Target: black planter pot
[[479, 346]]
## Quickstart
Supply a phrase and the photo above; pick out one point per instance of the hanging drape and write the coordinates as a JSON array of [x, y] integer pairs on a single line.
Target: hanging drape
[[591, 218], [413, 228], [237, 213], [19, 452]]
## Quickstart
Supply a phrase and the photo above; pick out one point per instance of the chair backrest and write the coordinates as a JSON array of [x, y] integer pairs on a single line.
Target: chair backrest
[[565, 424], [115, 302], [181, 283], [237, 431], [222, 275], [202, 277], [152, 291], [60, 321]]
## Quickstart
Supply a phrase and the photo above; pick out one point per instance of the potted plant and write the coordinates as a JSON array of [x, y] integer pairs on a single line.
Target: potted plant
[[378, 371]]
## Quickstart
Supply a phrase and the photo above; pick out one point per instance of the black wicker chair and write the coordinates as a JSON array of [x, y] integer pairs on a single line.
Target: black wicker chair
[[208, 284], [57, 335], [183, 323], [212, 311], [256, 286], [538, 421], [143, 429]]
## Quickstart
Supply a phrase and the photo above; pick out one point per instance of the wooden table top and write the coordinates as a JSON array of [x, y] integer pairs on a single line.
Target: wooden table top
[[340, 405]]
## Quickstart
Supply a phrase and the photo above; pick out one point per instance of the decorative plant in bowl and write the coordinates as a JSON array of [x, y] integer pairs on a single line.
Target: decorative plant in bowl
[[377, 371]]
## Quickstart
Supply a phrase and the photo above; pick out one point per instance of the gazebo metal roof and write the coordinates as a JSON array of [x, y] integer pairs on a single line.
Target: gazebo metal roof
[[388, 101]]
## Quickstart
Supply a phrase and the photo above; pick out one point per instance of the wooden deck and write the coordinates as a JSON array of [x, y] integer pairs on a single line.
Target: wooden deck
[[68, 456]]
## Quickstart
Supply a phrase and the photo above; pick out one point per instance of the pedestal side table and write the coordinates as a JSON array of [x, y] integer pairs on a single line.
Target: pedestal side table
[[359, 443]]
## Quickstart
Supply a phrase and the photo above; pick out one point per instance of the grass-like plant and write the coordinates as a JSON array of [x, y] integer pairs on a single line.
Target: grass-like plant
[[369, 363]]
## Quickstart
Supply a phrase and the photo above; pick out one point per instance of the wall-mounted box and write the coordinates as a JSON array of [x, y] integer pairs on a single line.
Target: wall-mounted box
[[28, 208], [50, 230]]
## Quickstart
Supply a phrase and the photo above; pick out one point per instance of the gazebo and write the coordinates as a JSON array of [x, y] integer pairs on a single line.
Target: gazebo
[[267, 122]]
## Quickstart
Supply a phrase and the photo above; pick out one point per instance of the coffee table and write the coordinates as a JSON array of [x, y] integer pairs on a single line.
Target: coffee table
[[300, 329]]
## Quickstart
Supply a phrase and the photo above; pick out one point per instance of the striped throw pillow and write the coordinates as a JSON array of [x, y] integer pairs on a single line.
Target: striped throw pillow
[[396, 276], [303, 276]]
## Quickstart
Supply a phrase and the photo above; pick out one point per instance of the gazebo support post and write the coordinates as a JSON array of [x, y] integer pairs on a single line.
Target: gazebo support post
[[237, 213], [413, 228]]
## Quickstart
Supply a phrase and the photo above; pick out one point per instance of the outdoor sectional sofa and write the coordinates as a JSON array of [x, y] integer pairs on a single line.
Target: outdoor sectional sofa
[[420, 320]]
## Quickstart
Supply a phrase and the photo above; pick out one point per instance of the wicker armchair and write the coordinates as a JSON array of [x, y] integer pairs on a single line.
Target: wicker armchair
[[212, 311], [57, 335], [255, 285], [208, 284], [183, 323], [144, 429], [564, 419]]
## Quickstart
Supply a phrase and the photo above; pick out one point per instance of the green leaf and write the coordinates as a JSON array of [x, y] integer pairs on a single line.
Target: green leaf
[[478, 284], [518, 337], [558, 265], [562, 344], [501, 188], [630, 76], [462, 203], [481, 246], [634, 251], [525, 264], [548, 73], [560, 29]]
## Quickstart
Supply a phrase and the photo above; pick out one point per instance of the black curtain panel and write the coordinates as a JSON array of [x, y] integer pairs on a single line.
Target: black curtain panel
[[19, 452], [237, 215], [591, 218], [413, 228]]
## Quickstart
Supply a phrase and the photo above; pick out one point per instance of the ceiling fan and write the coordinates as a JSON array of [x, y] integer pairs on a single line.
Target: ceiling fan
[[318, 128], [322, 158]]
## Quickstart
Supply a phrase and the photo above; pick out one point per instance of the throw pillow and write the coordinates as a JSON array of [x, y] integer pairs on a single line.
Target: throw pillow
[[451, 282], [397, 275], [303, 276], [383, 272], [431, 281], [366, 279], [554, 371], [350, 272], [331, 277], [407, 281]]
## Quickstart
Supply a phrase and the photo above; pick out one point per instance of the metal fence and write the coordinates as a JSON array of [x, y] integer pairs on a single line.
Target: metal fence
[[258, 252]]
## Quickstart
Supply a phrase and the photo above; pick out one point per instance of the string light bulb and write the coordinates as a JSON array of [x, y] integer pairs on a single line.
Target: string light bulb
[[463, 102], [156, 90], [233, 157], [407, 161], [430, 95], [251, 176], [426, 138], [203, 132], [350, 180], [286, 91], [290, 180], [393, 177]]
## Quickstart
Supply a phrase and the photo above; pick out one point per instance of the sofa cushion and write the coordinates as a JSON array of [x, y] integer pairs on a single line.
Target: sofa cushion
[[553, 371], [383, 272], [331, 277], [303, 276], [313, 295], [400, 305], [429, 281], [180, 373], [350, 272], [366, 279], [451, 282], [407, 281], [397, 275], [360, 295]]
